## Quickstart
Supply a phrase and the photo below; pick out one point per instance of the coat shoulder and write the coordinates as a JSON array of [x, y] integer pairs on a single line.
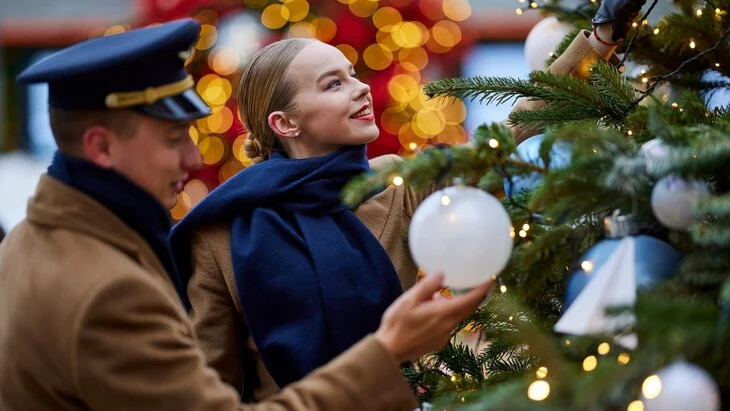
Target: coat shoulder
[[385, 160]]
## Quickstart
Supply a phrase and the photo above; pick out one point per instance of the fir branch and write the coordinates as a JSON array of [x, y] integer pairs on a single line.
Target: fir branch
[[657, 80], [486, 89]]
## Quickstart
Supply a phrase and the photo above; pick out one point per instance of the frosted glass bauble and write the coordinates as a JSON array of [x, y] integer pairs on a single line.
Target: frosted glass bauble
[[542, 40], [462, 232]]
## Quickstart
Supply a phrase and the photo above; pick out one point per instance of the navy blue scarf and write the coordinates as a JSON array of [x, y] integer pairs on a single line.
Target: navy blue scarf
[[137, 208], [312, 279]]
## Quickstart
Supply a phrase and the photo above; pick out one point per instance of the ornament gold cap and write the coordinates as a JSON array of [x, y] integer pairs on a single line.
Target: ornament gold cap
[[617, 226]]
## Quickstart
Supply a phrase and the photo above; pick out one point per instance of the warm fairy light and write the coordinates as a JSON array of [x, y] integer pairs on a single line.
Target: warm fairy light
[[453, 378], [604, 348], [538, 390], [523, 233], [518, 11], [541, 372], [718, 11], [644, 80], [551, 54], [717, 64], [397, 181], [526, 227], [623, 358], [511, 317], [413, 146], [590, 363], [699, 12], [692, 44], [656, 31], [493, 143], [631, 133], [587, 266], [675, 105], [652, 387], [533, 5], [567, 342], [635, 406], [445, 200], [503, 288], [511, 232], [634, 24]]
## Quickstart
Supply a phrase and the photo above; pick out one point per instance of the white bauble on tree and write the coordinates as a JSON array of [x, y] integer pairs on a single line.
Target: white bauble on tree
[[673, 198], [544, 37], [681, 386], [655, 151], [462, 232]]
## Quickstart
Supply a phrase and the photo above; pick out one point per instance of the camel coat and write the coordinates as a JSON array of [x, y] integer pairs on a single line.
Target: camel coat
[[89, 320], [216, 311]]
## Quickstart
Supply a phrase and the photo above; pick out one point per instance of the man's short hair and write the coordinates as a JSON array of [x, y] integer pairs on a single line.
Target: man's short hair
[[69, 126]]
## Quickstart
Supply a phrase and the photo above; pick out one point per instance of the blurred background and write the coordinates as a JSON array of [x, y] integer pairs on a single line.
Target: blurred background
[[396, 46]]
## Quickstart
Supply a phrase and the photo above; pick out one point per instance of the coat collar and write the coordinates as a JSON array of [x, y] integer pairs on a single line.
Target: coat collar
[[57, 205]]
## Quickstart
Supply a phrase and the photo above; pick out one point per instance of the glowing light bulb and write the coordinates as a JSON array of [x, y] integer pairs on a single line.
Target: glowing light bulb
[[398, 181], [635, 406], [526, 227], [538, 390], [699, 12], [692, 44], [604, 348], [541, 372], [623, 358], [523, 233], [651, 387], [493, 143], [656, 31], [590, 363], [518, 12], [503, 288], [587, 266]]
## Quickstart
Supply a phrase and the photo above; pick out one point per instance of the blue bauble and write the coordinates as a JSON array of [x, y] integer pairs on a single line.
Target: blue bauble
[[529, 151], [655, 261]]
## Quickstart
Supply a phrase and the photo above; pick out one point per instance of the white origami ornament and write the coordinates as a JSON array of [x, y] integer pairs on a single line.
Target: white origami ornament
[[613, 285]]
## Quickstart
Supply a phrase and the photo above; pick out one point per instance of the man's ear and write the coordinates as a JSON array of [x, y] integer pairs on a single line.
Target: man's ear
[[283, 125], [97, 146]]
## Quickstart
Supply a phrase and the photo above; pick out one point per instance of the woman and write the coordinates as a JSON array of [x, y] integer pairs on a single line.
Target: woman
[[283, 276]]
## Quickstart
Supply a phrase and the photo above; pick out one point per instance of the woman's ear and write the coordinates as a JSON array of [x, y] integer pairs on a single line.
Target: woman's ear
[[283, 125]]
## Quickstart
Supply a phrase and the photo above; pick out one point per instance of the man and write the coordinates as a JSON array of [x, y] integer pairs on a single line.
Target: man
[[89, 312]]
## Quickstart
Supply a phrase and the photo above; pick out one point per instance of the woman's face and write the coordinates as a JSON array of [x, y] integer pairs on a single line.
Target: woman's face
[[333, 108]]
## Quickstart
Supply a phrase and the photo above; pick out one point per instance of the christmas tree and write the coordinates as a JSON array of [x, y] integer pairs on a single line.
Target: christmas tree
[[616, 295]]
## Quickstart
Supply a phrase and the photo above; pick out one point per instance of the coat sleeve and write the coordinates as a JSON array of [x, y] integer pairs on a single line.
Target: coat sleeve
[[217, 323], [135, 351], [576, 60]]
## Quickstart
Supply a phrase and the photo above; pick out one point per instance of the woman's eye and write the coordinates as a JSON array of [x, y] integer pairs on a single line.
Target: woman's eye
[[334, 83]]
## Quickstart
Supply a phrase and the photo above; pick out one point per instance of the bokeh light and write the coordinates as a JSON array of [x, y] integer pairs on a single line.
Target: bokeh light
[[377, 57], [275, 16], [349, 52]]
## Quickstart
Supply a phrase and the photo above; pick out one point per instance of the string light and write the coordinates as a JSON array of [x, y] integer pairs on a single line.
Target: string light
[[718, 11], [635, 406], [699, 12], [397, 181], [587, 266], [518, 12], [590, 363], [538, 390], [533, 5], [445, 200], [634, 25], [567, 342], [526, 227], [631, 133], [623, 358], [503, 288], [651, 387], [656, 31], [494, 143], [644, 80], [692, 44], [512, 232], [717, 64], [523, 233], [541, 372], [604, 348]]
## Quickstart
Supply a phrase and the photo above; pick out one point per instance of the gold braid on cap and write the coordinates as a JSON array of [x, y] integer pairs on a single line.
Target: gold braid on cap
[[148, 95]]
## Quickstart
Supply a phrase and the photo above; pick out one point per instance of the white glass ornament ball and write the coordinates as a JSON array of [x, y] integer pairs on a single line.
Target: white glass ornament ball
[[655, 151], [462, 232], [673, 198], [684, 386], [542, 40]]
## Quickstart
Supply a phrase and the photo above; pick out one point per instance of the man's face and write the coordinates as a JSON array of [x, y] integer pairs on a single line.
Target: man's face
[[157, 157]]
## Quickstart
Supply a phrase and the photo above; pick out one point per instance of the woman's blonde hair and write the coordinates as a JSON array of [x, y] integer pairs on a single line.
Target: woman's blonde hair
[[264, 89]]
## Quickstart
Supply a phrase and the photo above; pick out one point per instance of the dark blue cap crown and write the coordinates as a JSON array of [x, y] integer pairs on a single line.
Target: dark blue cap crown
[[141, 69]]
